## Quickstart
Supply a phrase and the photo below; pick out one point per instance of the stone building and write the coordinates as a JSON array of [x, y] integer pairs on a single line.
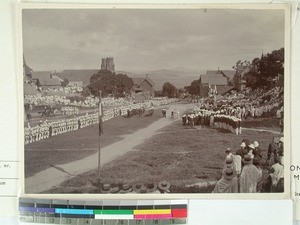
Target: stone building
[[108, 64]]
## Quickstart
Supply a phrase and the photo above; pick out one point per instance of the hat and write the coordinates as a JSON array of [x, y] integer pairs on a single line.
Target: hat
[[255, 143], [247, 159], [228, 161], [140, 188], [106, 189], [256, 161], [251, 146], [246, 141], [152, 187], [143, 189], [229, 173], [281, 139], [243, 144], [164, 185], [228, 150], [126, 188]]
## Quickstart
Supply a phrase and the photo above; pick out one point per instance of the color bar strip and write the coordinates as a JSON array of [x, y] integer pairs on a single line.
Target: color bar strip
[[112, 216], [117, 212], [151, 211], [75, 211], [179, 213], [153, 216], [34, 209]]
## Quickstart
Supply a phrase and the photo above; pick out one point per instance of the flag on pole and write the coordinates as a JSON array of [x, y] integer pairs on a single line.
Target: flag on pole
[[100, 115]]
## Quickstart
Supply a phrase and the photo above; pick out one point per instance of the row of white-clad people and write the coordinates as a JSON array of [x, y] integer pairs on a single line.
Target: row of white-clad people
[[47, 129]]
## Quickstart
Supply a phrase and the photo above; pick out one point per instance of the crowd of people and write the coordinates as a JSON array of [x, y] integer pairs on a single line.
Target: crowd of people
[[69, 110], [46, 129], [248, 170], [213, 119]]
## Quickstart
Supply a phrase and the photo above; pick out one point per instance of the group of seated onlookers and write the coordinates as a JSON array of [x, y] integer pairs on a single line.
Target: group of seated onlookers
[[249, 171]]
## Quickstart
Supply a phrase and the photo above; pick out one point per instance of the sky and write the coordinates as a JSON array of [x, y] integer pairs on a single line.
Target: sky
[[148, 39]]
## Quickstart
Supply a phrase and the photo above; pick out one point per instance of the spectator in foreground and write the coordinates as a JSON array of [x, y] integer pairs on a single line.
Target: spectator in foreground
[[272, 151], [249, 176], [228, 183]]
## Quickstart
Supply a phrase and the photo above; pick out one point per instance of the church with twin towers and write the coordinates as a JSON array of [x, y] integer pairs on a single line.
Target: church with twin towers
[[108, 64]]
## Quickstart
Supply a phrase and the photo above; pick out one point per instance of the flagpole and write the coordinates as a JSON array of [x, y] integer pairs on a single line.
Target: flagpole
[[99, 143]]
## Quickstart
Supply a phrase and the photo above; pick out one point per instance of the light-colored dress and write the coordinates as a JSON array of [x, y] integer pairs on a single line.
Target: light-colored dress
[[226, 186], [249, 178]]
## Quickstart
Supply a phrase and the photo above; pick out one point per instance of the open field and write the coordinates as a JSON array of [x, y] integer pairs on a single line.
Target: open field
[[180, 155], [264, 123], [81, 143]]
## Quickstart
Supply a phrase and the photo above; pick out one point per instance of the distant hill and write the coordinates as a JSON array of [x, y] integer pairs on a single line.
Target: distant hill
[[178, 77]]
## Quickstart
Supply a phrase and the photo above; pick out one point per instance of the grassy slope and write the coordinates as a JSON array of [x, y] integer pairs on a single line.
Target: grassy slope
[[177, 154]]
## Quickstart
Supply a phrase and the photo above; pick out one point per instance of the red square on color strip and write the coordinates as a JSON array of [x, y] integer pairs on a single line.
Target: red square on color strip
[[179, 213]]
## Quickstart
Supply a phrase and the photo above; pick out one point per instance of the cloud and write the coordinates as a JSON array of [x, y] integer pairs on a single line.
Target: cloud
[[148, 39]]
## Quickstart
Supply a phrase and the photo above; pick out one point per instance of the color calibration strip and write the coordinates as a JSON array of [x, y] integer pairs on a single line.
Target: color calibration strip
[[106, 212]]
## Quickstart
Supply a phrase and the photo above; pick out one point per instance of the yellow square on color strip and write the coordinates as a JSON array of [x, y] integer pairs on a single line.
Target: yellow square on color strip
[[151, 211]]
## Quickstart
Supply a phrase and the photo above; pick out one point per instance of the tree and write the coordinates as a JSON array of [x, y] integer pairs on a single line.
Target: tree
[[264, 72], [194, 88], [64, 82], [170, 90], [110, 83]]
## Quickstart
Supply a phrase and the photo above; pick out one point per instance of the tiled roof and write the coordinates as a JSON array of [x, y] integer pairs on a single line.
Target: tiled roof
[[45, 79], [138, 80], [224, 89], [216, 79], [229, 73]]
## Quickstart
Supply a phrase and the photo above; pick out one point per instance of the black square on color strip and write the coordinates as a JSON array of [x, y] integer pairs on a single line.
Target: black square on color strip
[[128, 207], [42, 205], [26, 204], [183, 206], [111, 207], [77, 216], [93, 207], [59, 206], [162, 207], [76, 206], [145, 207]]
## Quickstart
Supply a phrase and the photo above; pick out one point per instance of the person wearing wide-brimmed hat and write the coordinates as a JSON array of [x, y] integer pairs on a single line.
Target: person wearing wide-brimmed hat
[[107, 189], [152, 188], [279, 173], [228, 163], [257, 150], [250, 151], [243, 150], [229, 154], [164, 186], [228, 183], [126, 188], [249, 176]]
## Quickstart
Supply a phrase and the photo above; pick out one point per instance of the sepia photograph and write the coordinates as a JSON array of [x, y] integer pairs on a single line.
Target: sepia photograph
[[154, 101]]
